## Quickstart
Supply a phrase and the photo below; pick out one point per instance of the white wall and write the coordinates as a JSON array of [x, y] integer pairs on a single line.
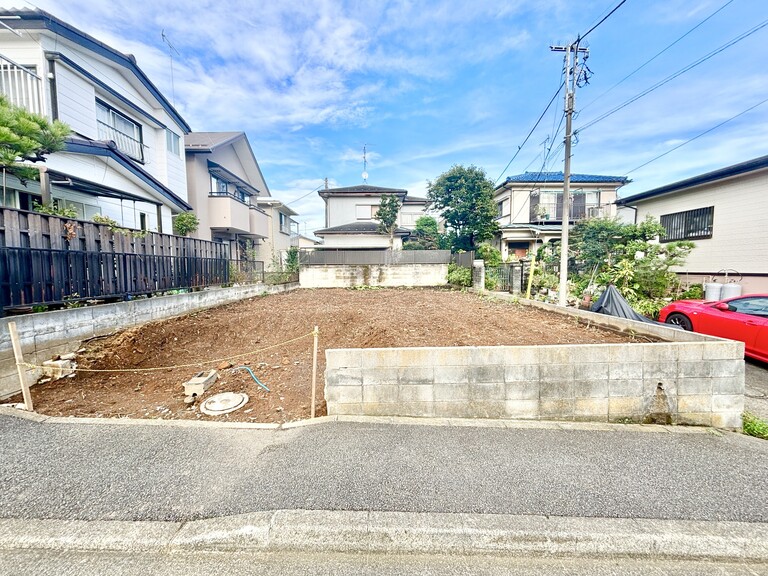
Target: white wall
[[739, 239], [374, 275], [361, 241]]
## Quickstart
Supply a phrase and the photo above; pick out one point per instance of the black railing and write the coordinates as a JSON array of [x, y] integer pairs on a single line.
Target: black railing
[[36, 276]]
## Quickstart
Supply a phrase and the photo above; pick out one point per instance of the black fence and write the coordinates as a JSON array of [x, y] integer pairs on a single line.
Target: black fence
[[35, 276]]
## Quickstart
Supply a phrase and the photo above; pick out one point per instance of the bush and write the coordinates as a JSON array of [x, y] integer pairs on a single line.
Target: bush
[[694, 292], [185, 223], [459, 276], [490, 281], [489, 254], [754, 426]]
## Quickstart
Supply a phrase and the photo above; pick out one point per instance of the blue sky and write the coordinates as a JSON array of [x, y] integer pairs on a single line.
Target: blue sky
[[425, 85]]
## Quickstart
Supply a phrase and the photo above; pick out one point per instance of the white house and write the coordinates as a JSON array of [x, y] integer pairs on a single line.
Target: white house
[[724, 213], [125, 157], [350, 217], [530, 207]]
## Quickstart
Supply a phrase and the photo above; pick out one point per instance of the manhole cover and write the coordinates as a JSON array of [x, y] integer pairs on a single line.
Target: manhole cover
[[223, 403]]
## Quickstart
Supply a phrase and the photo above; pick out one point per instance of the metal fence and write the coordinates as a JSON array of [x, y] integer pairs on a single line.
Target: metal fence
[[510, 277], [331, 257]]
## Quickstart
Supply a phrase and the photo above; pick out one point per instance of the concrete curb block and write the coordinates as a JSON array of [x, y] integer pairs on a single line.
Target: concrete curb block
[[405, 533], [390, 420]]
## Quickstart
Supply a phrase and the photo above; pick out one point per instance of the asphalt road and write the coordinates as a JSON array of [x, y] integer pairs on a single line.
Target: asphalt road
[[78, 563], [142, 472], [756, 381]]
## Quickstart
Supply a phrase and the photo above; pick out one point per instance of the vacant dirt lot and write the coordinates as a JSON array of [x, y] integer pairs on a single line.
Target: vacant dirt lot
[[254, 333]]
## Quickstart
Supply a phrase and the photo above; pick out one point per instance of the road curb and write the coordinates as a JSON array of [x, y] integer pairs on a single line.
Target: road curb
[[395, 420], [404, 533]]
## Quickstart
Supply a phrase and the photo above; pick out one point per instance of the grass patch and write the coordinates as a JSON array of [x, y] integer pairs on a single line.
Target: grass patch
[[754, 426]]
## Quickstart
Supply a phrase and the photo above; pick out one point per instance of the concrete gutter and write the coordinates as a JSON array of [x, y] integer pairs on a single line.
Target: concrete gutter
[[404, 533]]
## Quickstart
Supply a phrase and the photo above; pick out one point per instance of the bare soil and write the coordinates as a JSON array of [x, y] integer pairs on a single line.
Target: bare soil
[[272, 336]]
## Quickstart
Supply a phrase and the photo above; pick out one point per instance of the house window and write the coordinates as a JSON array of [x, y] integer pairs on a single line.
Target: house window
[[689, 225], [241, 195], [365, 211], [218, 187], [142, 221], [173, 142], [121, 130], [502, 208], [285, 223]]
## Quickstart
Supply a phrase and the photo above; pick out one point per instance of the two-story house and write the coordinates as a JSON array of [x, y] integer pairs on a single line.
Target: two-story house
[[232, 200], [350, 217], [530, 207], [723, 213], [125, 157]]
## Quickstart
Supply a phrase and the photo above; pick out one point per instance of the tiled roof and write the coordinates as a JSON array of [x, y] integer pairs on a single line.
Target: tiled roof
[[358, 228], [535, 177], [415, 200]]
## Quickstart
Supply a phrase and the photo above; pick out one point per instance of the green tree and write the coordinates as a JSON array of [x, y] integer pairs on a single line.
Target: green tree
[[604, 251], [387, 214], [464, 195], [426, 236], [185, 223], [489, 254], [27, 137]]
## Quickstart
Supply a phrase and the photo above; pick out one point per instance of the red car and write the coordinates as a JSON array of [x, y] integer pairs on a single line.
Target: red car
[[742, 318]]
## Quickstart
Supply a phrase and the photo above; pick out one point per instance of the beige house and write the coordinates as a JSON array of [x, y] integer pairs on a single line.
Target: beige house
[[724, 213], [350, 217], [231, 199], [530, 207]]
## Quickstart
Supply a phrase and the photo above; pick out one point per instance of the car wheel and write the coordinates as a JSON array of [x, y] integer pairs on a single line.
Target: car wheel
[[680, 320]]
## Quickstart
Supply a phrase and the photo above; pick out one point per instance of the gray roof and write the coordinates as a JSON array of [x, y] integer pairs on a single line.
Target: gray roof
[[359, 228], [207, 141], [415, 200], [363, 190]]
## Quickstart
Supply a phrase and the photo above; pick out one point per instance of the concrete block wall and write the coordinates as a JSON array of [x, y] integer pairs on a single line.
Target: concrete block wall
[[698, 380], [47, 334], [394, 275]]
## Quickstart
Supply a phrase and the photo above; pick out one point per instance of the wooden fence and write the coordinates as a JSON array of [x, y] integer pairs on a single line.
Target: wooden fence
[[50, 260]]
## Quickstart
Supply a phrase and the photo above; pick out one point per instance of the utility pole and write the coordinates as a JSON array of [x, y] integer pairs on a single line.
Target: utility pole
[[571, 77]]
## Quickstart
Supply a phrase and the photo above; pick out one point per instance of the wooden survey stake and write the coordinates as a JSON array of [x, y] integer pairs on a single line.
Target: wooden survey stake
[[314, 370], [19, 366]]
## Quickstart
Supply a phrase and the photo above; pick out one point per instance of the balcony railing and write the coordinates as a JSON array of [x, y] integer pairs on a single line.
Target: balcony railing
[[550, 211], [21, 86], [128, 144]]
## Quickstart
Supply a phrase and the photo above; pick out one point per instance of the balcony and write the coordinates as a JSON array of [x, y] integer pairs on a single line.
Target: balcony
[[125, 143], [259, 222], [227, 212], [553, 212], [21, 86]]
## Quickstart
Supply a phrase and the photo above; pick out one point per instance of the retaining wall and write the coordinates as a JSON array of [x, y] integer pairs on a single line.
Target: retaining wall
[[47, 334], [689, 379], [393, 275]]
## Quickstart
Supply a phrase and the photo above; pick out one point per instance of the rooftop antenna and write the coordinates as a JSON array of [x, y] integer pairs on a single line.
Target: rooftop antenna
[[365, 164], [171, 50]]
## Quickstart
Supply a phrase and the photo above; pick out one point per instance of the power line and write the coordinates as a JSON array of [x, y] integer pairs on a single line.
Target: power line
[[619, 5], [305, 195], [675, 75], [554, 96], [698, 136], [636, 70]]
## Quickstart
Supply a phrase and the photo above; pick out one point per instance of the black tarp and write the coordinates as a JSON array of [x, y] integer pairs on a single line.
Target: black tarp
[[612, 303]]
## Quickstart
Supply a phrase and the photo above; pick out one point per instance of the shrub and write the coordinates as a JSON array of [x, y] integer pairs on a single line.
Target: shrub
[[694, 292], [53, 209], [459, 276], [754, 426], [185, 223]]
